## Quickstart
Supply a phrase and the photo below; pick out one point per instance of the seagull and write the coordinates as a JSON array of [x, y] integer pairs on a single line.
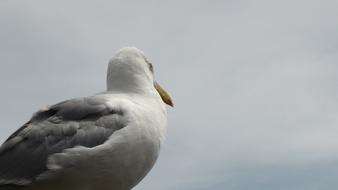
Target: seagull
[[107, 141]]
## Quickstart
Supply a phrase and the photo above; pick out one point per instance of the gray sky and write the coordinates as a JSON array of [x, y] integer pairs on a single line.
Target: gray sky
[[254, 82]]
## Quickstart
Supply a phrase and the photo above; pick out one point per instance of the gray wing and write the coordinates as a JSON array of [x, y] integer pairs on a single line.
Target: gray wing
[[85, 122]]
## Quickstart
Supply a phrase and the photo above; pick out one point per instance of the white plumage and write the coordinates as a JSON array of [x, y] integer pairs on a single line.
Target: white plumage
[[108, 141]]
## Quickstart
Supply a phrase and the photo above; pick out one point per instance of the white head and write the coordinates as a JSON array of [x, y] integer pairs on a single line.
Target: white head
[[130, 71]]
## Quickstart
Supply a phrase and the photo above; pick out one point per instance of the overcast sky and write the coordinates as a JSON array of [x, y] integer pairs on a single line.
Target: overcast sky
[[255, 83]]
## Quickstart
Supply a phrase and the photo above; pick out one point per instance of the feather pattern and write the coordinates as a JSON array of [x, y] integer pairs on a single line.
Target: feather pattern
[[87, 122]]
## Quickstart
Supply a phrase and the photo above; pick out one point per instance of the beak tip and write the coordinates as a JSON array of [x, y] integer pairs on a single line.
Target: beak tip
[[164, 95], [168, 101], [171, 104]]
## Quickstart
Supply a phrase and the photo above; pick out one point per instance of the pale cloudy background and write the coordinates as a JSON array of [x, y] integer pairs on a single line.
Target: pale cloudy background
[[255, 83]]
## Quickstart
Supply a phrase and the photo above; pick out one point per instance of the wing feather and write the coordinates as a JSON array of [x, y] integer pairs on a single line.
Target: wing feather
[[87, 122]]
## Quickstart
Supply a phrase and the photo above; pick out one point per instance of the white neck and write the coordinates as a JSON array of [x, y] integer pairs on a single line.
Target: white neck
[[128, 72]]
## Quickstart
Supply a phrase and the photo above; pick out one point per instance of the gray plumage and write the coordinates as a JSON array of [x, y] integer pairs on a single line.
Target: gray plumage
[[109, 141], [87, 122]]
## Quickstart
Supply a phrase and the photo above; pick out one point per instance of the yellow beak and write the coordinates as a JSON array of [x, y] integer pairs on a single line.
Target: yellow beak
[[164, 94]]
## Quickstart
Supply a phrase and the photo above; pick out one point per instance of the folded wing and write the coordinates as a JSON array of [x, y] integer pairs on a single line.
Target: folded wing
[[87, 122]]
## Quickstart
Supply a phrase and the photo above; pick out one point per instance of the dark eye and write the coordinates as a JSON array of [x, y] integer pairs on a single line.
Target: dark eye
[[151, 68]]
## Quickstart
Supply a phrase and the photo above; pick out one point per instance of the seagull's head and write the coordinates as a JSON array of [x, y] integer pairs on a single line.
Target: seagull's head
[[129, 70]]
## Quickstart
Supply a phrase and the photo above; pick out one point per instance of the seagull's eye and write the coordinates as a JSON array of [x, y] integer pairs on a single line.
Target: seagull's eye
[[151, 68]]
